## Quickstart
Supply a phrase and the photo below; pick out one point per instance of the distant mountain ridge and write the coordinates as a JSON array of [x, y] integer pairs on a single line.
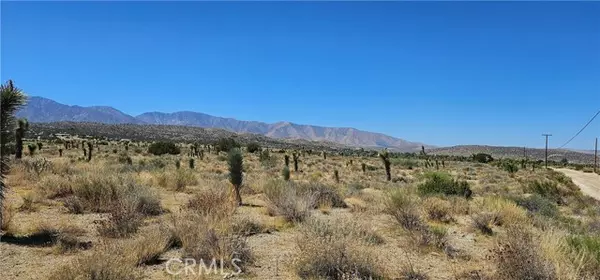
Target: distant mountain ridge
[[40, 109]]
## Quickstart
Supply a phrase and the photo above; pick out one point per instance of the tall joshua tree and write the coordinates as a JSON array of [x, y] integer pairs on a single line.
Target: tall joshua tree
[[235, 161], [90, 149], [295, 156], [385, 157], [22, 127], [11, 99]]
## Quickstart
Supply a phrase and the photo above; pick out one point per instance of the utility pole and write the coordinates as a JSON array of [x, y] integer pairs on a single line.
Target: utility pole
[[596, 156], [546, 148]]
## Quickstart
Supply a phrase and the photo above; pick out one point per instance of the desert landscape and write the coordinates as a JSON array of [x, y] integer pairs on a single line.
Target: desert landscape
[[90, 208], [292, 140]]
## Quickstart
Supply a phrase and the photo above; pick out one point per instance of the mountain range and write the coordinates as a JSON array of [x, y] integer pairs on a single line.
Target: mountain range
[[42, 110]]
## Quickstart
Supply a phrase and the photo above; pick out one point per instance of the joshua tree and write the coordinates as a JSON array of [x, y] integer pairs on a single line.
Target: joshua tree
[[235, 161], [336, 176], [32, 148], [364, 167], [324, 155], [22, 126], [60, 152], [201, 154], [295, 156], [40, 146], [385, 157], [90, 149], [285, 173], [11, 99], [443, 164], [191, 163], [177, 164], [84, 151], [287, 160]]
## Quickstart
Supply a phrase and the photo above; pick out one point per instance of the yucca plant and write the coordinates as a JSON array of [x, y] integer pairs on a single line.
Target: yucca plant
[[90, 149], [22, 127], [385, 158], [285, 173], [235, 161], [11, 99], [295, 156], [287, 160], [60, 152], [336, 176], [191, 163], [364, 167], [32, 148]]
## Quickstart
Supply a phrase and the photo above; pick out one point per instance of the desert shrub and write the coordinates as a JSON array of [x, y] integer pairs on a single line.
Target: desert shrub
[[546, 189], [328, 251], [483, 222], [161, 148], [510, 167], [247, 227], [103, 264], [213, 200], [518, 256], [7, 214], [176, 180], [124, 221], [28, 204], [482, 158], [266, 159], [205, 237], [55, 186], [403, 208], [226, 144], [354, 188], [405, 163], [100, 193], [538, 204], [442, 183], [285, 173], [74, 205], [146, 249], [124, 158], [253, 147], [323, 194], [158, 163], [438, 209], [36, 166], [284, 199], [587, 248]]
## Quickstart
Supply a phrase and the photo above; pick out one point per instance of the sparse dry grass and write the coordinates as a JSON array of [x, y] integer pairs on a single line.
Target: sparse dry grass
[[360, 227]]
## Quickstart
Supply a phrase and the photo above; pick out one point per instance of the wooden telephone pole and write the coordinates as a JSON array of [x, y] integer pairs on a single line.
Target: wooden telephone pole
[[596, 156], [546, 148]]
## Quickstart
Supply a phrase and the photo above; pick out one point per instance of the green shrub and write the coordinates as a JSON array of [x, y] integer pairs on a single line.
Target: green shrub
[[538, 204], [253, 147], [161, 148], [546, 189], [226, 144], [442, 183], [285, 173], [482, 158], [235, 162]]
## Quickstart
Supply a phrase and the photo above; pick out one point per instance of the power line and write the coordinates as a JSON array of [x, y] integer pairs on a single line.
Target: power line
[[588, 123]]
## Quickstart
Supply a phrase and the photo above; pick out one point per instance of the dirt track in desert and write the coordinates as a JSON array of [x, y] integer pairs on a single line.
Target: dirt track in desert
[[589, 183]]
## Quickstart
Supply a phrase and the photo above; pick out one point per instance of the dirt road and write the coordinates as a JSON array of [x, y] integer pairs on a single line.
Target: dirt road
[[589, 183]]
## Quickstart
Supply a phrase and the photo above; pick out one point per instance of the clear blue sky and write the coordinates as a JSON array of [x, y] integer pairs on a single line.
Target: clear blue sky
[[442, 73]]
